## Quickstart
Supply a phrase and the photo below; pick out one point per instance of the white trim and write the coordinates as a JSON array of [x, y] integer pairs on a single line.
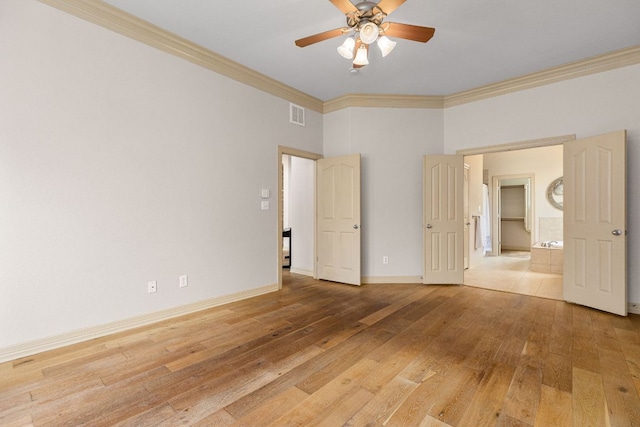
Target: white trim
[[300, 271], [368, 280], [50, 343], [384, 101], [112, 18], [633, 307], [519, 145]]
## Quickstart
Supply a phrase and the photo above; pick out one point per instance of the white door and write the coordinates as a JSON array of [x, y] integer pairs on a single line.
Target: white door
[[339, 219], [595, 222], [443, 220]]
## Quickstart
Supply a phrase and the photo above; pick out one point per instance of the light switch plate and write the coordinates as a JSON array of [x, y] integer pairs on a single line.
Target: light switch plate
[[266, 193], [265, 205]]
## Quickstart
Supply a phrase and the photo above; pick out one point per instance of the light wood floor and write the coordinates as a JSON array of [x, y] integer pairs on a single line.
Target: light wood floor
[[319, 353], [511, 272]]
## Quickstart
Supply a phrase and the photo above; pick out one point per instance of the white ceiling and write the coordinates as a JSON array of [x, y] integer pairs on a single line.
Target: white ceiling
[[476, 42]]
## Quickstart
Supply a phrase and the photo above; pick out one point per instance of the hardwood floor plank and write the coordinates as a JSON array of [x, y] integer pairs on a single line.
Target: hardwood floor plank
[[15, 409], [323, 375], [448, 397], [108, 407], [622, 400], [485, 406], [271, 408], [154, 361], [384, 403], [588, 397], [584, 354], [152, 417], [613, 363], [636, 381], [204, 400], [22, 420], [217, 419], [432, 422], [387, 310], [335, 414], [631, 354], [393, 363], [312, 409], [557, 372], [523, 397], [561, 330], [555, 408], [356, 344], [507, 421], [321, 353]]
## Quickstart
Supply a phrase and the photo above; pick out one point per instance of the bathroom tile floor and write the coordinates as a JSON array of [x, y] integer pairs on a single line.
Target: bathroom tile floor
[[510, 273]]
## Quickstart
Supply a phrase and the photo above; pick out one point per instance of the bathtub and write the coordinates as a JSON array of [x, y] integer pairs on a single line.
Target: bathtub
[[547, 257]]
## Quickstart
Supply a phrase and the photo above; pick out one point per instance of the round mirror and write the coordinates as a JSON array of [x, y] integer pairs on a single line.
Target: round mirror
[[555, 193]]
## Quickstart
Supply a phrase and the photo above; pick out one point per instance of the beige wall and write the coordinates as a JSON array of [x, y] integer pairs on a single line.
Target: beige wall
[[121, 164], [392, 142]]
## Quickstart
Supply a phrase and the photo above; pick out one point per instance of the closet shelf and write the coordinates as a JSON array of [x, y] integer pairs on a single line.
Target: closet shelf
[[512, 218]]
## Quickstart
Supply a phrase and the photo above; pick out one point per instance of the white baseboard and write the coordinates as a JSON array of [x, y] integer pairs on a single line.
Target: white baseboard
[[391, 279], [300, 271], [50, 343], [633, 307]]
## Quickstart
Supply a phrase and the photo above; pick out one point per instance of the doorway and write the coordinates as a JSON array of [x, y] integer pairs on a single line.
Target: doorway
[[332, 197], [500, 251], [296, 211]]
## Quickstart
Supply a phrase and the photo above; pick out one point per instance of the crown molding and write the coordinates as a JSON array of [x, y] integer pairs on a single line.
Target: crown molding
[[116, 20], [520, 145], [597, 64], [383, 101]]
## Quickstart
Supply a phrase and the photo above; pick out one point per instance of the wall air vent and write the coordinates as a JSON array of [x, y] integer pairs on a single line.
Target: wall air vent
[[296, 114]]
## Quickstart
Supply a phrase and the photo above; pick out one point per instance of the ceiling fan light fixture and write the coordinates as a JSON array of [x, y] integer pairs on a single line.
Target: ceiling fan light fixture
[[369, 32], [386, 45], [361, 56], [346, 49]]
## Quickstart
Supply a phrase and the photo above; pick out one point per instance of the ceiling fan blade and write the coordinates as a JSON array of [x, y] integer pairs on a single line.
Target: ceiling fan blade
[[320, 37], [409, 32], [344, 5], [389, 6]]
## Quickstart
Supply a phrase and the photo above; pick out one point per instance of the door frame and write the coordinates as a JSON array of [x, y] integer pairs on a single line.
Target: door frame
[[283, 150], [467, 217], [511, 146], [496, 211]]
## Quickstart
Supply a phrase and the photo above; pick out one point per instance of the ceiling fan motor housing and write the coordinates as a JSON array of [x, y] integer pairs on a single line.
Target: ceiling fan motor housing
[[366, 20]]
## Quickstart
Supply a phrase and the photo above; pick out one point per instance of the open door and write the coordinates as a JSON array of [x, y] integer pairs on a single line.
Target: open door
[[595, 222], [443, 220], [339, 219]]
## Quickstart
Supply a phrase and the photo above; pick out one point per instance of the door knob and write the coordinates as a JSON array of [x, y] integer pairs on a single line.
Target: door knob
[[429, 226], [617, 232], [355, 226]]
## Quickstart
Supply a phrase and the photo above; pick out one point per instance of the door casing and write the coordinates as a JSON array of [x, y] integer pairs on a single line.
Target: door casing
[[282, 150]]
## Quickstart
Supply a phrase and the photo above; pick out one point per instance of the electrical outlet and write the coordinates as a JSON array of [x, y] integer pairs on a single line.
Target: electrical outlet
[[152, 287], [385, 260], [184, 281]]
